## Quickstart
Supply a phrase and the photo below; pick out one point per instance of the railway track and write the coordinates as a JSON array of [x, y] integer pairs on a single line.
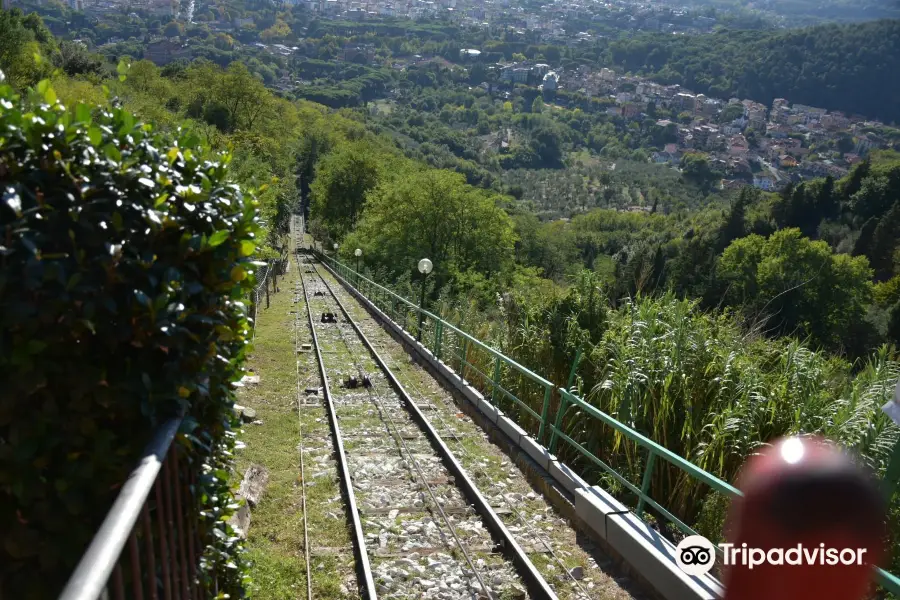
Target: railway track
[[572, 565], [421, 528]]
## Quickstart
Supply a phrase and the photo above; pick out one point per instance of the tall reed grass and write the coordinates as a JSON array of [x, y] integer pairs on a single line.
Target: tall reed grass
[[696, 382]]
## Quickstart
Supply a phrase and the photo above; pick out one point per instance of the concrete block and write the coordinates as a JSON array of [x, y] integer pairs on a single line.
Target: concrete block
[[594, 504], [509, 427], [538, 453], [469, 392], [653, 557], [489, 410], [566, 477]]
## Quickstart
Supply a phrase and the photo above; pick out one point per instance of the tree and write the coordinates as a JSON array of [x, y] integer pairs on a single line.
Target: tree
[[885, 240], [538, 105], [800, 286], [845, 143], [75, 59], [731, 112], [343, 179], [223, 41], [21, 52], [173, 29], [278, 31], [243, 95], [477, 74], [435, 214], [695, 168], [735, 225], [864, 240], [546, 142]]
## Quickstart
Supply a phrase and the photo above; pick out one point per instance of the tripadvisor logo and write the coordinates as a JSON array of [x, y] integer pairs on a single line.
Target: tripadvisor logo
[[696, 555]]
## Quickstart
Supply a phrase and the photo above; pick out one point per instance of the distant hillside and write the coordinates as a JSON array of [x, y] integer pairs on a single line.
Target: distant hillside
[[852, 68], [799, 13]]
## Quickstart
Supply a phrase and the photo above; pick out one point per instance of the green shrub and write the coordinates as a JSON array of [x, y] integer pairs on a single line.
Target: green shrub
[[123, 256]]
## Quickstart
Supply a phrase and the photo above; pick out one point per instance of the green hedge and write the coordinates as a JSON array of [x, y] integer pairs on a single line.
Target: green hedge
[[123, 257]]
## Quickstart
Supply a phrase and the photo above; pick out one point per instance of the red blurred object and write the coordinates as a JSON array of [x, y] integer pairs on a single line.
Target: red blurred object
[[804, 490]]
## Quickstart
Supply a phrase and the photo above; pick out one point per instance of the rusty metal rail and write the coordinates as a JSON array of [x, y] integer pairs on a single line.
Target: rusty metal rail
[[153, 516], [538, 587], [363, 566]]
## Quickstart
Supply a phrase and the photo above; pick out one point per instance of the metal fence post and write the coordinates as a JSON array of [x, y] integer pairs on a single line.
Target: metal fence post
[[544, 410], [556, 426], [645, 483], [438, 330], [496, 380], [462, 359]]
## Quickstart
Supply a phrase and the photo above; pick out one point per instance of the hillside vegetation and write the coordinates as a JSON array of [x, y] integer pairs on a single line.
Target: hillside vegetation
[[849, 68], [711, 322]]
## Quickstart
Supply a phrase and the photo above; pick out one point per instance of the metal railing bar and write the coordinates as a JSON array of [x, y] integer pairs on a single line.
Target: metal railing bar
[[477, 342], [489, 382], [134, 554], [94, 569], [519, 401], [151, 556], [118, 582], [182, 558], [165, 555], [642, 440], [587, 454], [886, 579]]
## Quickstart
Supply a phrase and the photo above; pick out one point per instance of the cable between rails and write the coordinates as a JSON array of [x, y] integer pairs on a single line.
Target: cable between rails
[[396, 434]]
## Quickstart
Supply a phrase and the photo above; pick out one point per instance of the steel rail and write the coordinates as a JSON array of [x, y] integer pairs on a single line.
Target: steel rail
[[366, 581], [533, 531], [529, 527], [309, 593], [534, 581], [412, 457]]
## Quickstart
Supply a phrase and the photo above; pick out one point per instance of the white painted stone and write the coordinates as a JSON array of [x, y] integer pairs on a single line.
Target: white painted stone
[[594, 505], [653, 556], [538, 453], [510, 428], [566, 476], [489, 410]]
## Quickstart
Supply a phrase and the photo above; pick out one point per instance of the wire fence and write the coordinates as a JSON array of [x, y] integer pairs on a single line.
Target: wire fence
[[267, 284]]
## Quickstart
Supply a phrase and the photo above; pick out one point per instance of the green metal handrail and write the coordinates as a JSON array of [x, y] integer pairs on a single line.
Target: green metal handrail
[[887, 580]]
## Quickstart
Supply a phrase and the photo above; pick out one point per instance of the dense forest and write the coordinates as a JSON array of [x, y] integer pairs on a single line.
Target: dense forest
[[850, 68], [809, 12]]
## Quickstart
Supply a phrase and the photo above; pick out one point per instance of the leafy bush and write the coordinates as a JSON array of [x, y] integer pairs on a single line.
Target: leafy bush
[[123, 257]]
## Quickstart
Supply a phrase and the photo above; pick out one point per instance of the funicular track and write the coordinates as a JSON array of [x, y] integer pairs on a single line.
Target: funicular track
[[440, 408], [408, 496]]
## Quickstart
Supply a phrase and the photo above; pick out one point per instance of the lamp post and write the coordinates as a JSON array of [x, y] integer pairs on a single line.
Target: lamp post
[[335, 250], [425, 267], [357, 253]]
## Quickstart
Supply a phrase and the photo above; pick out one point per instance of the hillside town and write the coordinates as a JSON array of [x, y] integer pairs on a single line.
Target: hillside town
[[548, 19], [748, 142]]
